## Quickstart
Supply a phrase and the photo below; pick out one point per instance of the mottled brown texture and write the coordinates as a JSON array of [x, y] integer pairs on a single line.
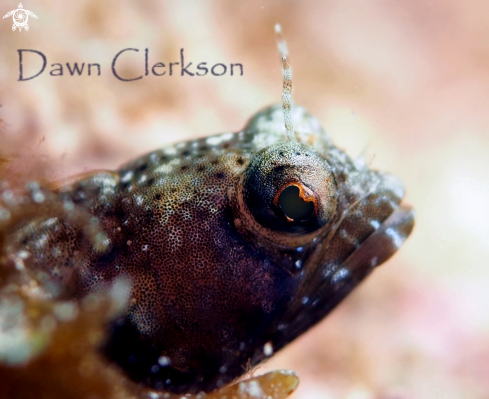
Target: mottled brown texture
[[217, 289], [50, 347]]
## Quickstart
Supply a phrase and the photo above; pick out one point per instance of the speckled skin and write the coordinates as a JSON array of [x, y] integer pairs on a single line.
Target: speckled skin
[[221, 279]]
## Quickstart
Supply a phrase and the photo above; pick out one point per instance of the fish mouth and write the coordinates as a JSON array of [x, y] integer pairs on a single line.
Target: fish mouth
[[384, 242]]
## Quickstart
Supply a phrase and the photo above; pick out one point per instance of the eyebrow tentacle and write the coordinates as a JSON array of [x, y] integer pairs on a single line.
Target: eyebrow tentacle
[[287, 83]]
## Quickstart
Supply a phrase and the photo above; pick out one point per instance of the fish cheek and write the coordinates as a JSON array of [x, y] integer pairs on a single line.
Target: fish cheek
[[368, 234], [215, 297]]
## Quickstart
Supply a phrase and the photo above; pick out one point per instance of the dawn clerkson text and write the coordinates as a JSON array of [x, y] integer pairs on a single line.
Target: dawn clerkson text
[[122, 73]]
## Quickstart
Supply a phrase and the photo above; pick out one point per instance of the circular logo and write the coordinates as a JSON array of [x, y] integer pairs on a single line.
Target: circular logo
[[20, 18]]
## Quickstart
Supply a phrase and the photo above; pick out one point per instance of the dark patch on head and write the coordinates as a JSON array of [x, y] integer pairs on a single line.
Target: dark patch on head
[[142, 168], [157, 197]]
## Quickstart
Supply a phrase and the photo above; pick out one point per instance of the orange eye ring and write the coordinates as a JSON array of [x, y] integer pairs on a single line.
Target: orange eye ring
[[296, 201], [289, 190]]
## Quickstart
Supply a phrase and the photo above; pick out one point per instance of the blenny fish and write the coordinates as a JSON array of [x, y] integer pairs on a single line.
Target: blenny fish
[[234, 244]]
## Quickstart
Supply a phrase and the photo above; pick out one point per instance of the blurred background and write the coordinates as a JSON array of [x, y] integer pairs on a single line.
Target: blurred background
[[407, 83]]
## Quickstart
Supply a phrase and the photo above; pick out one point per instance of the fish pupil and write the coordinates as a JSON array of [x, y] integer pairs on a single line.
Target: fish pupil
[[293, 206]]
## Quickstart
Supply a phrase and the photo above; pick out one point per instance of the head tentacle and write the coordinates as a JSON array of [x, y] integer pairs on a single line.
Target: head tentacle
[[287, 83]]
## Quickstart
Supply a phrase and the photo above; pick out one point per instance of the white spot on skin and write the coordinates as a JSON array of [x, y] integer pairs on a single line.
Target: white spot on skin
[[374, 223], [154, 158], [19, 264], [340, 275], [38, 197], [393, 234], [392, 203], [268, 349], [251, 388], [327, 270], [139, 199], [375, 261], [227, 136], [127, 177], [305, 300], [167, 168], [68, 206], [41, 241], [160, 182], [164, 361], [216, 140], [170, 151], [23, 254], [212, 141], [8, 196]]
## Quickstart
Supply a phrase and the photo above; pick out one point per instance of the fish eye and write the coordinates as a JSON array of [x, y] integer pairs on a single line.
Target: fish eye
[[288, 190], [296, 203]]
